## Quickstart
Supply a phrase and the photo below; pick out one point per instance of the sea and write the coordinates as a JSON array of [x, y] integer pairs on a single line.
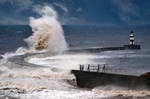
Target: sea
[[42, 75]]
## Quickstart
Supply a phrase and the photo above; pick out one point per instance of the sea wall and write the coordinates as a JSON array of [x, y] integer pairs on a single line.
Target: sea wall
[[87, 79]]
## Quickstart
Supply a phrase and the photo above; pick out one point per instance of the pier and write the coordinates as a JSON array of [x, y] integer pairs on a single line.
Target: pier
[[130, 46], [93, 75], [88, 79]]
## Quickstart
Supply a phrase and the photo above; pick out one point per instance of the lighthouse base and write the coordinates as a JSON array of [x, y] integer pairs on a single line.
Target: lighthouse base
[[132, 46]]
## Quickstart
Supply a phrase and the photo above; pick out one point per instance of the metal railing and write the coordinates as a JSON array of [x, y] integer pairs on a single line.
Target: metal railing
[[100, 68]]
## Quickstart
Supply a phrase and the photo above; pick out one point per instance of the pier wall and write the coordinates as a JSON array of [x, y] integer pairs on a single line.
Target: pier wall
[[93, 50], [87, 79]]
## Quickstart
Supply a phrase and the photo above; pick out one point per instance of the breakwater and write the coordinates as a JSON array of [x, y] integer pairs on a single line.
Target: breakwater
[[94, 50]]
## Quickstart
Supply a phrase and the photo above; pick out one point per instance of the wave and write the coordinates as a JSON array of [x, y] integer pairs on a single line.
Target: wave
[[47, 32]]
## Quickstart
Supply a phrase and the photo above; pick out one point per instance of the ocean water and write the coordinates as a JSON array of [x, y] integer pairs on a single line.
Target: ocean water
[[41, 75]]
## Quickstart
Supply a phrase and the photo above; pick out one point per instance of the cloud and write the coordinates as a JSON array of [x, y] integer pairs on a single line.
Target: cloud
[[79, 10], [21, 10], [61, 6], [126, 9], [15, 11], [68, 17], [20, 5]]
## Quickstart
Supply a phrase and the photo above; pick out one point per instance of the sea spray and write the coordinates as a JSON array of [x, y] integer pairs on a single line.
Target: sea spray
[[47, 32]]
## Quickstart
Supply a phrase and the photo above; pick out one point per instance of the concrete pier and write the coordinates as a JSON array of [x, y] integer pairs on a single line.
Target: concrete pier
[[130, 46], [87, 79]]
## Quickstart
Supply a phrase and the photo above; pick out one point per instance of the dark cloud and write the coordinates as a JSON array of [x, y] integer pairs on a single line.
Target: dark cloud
[[133, 12], [126, 9], [20, 5], [82, 12]]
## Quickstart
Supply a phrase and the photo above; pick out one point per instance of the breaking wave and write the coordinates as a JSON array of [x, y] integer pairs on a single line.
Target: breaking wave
[[47, 32]]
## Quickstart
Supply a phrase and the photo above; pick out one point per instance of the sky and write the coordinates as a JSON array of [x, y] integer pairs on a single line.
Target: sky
[[80, 12]]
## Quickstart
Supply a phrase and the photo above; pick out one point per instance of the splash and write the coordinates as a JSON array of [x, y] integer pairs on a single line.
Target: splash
[[47, 32]]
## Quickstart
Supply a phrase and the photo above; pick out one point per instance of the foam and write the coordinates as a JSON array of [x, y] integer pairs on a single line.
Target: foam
[[59, 94], [47, 32]]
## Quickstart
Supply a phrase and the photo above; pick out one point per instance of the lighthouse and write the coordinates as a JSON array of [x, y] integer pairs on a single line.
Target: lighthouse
[[131, 38], [132, 44]]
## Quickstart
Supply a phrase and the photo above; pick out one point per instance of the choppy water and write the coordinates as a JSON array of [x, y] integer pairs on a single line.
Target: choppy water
[[39, 75]]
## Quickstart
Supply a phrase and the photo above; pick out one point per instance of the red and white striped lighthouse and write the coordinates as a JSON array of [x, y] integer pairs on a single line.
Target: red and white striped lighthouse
[[132, 44], [132, 38]]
